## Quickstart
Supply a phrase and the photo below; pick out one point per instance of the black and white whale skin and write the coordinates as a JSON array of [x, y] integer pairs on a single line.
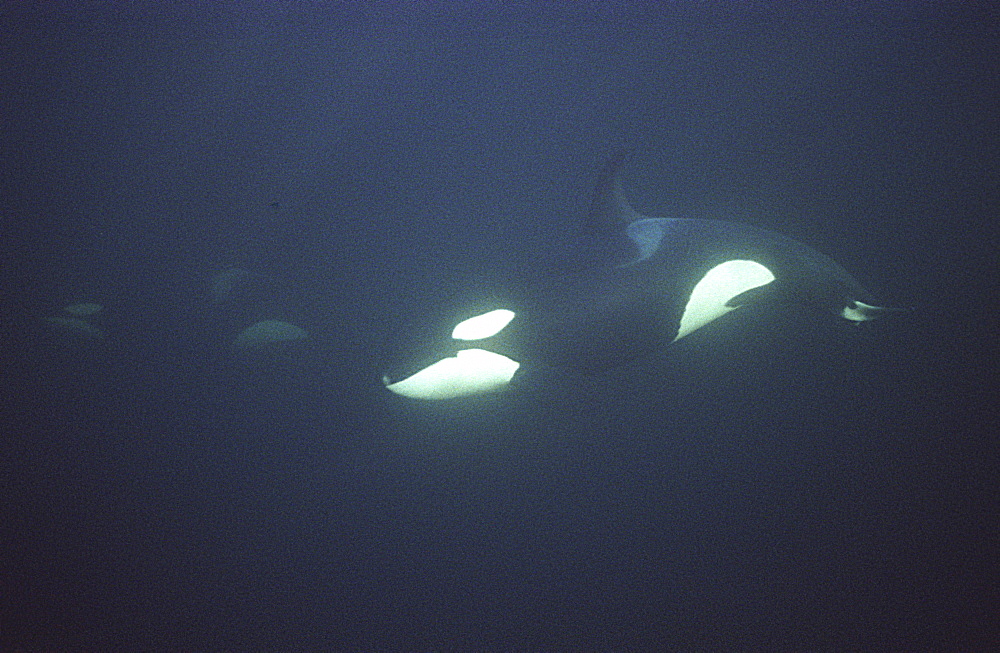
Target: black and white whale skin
[[671, 277]]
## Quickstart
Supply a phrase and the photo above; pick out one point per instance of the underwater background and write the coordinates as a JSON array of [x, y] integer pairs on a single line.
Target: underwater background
[[174, 173]]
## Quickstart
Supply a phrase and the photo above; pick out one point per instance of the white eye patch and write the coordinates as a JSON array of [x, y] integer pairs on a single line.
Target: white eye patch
[[482, 326]]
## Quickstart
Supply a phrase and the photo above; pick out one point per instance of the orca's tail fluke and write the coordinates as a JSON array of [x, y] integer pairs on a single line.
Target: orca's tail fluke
[[861, 312]]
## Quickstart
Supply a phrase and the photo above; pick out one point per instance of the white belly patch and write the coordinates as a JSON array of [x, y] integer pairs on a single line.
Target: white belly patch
[[722, 283]]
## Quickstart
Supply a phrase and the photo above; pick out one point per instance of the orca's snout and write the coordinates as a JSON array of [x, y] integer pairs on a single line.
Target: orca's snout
[[468, 372]]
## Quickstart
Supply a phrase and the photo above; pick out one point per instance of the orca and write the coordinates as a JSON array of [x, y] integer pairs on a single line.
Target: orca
[[668, 278]]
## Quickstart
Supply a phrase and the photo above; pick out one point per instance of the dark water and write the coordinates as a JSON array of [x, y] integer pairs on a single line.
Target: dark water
[[775, 481]]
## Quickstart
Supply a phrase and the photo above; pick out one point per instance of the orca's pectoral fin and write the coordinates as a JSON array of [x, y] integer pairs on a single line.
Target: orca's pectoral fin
[[752, 296]]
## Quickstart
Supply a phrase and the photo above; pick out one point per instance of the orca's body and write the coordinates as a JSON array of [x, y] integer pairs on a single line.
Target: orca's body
[[679, 275]]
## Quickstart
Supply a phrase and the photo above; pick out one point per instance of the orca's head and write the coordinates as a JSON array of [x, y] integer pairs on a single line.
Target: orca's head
[[463, 364]]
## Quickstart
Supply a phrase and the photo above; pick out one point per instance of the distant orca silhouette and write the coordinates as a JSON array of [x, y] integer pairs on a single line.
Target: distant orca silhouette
[[672, 277]]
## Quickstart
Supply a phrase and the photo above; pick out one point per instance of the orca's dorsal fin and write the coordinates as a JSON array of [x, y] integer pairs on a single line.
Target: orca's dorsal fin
[[610, 212]]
